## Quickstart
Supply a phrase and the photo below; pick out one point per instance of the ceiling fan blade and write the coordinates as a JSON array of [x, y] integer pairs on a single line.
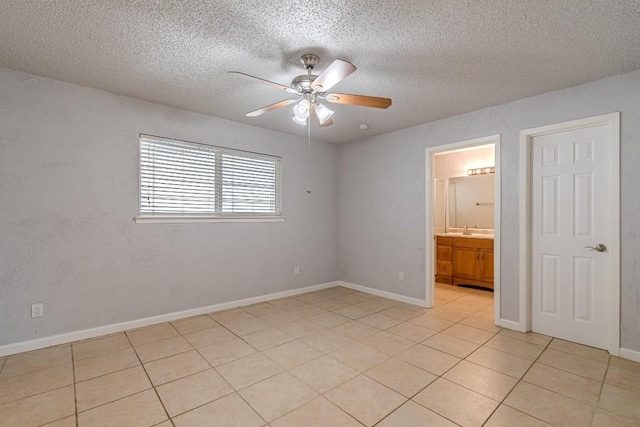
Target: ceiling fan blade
[[362, 100], [266, 82], [333, 74], [271, 107]]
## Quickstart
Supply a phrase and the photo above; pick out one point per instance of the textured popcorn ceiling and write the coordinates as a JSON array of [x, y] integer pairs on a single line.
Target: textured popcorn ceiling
[[433, 58]]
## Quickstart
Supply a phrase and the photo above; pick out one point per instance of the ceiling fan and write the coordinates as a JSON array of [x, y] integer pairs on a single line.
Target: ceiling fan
[[310, 89]]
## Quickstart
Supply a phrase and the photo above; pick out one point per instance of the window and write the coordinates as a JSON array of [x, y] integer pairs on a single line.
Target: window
[[186, 180]]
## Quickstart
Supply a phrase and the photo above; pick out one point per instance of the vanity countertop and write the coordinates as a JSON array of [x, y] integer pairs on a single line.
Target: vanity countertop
[[473, 235]]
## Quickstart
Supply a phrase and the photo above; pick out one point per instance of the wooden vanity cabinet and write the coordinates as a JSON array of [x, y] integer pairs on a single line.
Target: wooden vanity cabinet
[[444, 260], [470, 261]]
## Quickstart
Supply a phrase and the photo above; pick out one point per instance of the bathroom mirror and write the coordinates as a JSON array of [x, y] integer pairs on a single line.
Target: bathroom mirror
[[472, 201]]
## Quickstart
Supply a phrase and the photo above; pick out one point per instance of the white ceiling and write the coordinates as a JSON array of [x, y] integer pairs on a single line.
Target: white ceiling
[[434, 58]]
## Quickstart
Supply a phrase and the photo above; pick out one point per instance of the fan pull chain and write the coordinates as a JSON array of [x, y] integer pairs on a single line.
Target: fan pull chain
[[309, 155]]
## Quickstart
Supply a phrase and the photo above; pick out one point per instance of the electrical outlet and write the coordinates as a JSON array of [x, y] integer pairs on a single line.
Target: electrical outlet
[[296, 271], [37, 309], [401, 275]]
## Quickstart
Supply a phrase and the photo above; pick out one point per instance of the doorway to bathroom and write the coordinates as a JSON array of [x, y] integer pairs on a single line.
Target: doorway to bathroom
[[463, 217]]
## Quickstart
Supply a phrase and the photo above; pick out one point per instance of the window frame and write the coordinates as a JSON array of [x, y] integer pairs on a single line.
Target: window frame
[[210, 217]]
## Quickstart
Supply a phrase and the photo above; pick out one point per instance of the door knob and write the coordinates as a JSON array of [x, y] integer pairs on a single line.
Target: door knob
[[599, 247]]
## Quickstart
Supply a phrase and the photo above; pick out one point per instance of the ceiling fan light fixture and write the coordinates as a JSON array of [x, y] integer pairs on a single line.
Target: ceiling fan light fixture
[[301, 109], [324, 113], [300, 121]]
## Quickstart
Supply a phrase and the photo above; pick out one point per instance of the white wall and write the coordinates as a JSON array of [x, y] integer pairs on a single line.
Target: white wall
[[69, 192], [382, 192]]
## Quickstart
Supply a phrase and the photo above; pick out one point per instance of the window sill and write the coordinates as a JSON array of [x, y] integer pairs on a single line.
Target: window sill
[[182, 219]]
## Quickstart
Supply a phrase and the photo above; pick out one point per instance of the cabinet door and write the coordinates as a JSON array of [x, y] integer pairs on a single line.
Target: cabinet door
[[486, 259], [466, 263], [444, 268]]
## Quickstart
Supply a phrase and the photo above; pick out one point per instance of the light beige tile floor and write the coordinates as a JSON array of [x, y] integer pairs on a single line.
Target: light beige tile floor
[[335, 357]]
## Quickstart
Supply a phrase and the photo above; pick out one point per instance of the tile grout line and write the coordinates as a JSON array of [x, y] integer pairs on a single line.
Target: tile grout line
[[410, 399], [578, 375], [604, 379], [284, 370], [521, 379], [457, 363], [75, 395], [441, 376], [147, 374], [217, 372]]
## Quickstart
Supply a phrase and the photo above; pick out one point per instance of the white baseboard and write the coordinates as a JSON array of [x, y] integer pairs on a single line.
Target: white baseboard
[[384, 294], [510, 324], [627, 353], [68, 337]]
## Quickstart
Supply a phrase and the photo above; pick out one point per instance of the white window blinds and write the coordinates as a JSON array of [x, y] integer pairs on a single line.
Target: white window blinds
[[185, 178]]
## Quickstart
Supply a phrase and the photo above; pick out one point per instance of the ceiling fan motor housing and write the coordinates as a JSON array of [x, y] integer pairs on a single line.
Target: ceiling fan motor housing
[[303, 83], [309, 60]]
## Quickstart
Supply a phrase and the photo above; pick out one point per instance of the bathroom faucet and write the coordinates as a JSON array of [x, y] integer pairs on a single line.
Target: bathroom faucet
[[466, 231]]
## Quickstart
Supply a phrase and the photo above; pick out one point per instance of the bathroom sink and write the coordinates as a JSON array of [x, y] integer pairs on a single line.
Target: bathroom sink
[[478, 235]]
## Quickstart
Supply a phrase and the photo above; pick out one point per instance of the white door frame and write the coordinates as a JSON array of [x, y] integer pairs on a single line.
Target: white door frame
[[526, 136], [429, 196]]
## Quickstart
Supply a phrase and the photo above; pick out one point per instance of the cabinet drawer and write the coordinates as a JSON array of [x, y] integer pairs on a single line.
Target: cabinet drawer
[[445, 268], [470, 242], [447, 280], [445, 253], [446, 241]]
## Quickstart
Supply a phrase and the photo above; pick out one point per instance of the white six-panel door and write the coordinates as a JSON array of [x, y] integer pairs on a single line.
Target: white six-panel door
[[570, 210]]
